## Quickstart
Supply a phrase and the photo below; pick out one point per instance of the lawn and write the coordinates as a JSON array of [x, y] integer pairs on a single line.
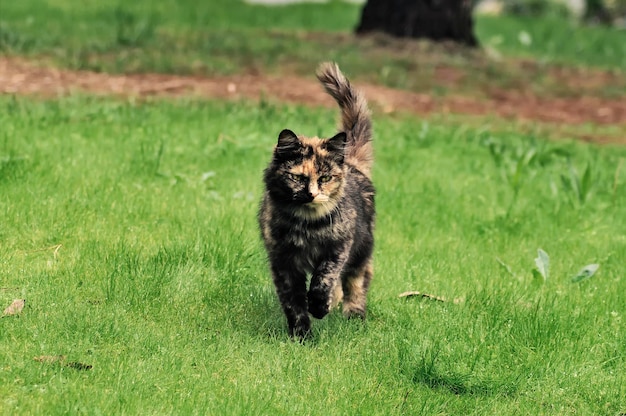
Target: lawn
[[130, 230], [129, 227]]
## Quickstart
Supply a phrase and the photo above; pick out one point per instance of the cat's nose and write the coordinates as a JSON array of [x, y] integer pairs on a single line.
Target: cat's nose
[[314, 190]]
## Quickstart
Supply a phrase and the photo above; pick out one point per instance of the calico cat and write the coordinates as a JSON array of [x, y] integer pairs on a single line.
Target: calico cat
[[317, 213]]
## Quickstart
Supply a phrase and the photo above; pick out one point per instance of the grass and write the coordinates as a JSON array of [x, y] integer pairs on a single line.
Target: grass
[[553, 40], [129, 228], [225, 37]]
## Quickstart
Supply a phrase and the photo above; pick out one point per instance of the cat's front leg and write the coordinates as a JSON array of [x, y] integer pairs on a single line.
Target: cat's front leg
[[291, 289], [323, 286]]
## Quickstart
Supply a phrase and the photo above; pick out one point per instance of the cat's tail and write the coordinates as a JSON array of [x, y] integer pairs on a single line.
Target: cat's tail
[[355, 116]]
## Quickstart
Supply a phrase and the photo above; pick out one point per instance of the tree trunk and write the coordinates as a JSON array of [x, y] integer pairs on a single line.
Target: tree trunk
[[431, 19]]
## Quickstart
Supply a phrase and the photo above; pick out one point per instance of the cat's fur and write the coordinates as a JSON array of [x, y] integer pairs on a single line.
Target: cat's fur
[[317, 213]]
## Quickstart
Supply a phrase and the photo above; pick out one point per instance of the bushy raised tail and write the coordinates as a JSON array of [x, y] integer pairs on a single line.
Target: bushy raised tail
[[355, 116]]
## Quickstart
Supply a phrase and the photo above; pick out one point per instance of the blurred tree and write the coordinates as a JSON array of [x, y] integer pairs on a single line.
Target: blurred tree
[[431, 19], [598, 12]]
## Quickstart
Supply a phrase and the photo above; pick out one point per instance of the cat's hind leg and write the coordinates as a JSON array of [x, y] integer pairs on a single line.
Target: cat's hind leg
[[355, 284], [337, 296]]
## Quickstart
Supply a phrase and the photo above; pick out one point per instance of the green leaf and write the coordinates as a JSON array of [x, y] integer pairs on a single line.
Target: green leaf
[[585, 185], [538, 279], [529, 156], [516, 178], [575, 179], [543, 263], [585, 273], [558, 151]]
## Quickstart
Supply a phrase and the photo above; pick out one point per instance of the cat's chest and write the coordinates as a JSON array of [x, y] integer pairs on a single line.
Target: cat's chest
[[305, 236], [295, 235], [307, 246]]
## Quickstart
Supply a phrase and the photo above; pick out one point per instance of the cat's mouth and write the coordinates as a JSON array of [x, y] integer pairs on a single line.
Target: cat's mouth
[[319, 207], [318, 200]]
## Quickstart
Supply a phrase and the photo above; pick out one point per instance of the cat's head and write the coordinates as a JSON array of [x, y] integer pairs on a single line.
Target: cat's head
[[307, 174]]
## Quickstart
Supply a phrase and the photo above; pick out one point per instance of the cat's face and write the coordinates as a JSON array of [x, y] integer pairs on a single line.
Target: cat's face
[[307, 174]]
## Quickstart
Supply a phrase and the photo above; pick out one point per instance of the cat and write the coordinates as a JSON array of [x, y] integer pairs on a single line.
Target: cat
[[317, 213]]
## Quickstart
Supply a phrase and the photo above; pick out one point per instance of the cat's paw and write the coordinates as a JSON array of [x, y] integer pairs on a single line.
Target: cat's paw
[[354, 313], [301, 328], [319, 304]]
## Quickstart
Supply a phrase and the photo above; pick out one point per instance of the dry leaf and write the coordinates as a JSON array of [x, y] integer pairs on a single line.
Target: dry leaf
[[412, 293], [49, 359], [15, 307], [52, 359]]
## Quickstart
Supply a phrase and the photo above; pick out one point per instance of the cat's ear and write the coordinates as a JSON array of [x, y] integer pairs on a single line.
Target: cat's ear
[[336, 145], [288, 144]]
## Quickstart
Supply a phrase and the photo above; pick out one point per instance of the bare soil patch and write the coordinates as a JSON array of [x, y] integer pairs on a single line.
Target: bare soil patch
[[18, 76]]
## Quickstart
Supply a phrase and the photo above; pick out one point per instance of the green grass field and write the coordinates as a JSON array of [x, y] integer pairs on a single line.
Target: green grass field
[[129, 228], [184, 27]]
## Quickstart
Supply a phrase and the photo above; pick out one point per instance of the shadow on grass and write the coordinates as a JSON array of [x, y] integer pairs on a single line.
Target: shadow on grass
[[461, 384], [428, 372], [222, 281], [260, 316]]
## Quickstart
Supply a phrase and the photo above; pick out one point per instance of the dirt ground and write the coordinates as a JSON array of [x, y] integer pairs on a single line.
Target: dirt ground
[[18, 76]]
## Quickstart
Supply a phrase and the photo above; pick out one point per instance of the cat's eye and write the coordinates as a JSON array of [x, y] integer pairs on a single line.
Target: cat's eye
[[296, 177], [325, 178]]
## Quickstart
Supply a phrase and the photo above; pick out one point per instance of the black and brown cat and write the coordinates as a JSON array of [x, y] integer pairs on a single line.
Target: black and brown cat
[[317, 213]]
